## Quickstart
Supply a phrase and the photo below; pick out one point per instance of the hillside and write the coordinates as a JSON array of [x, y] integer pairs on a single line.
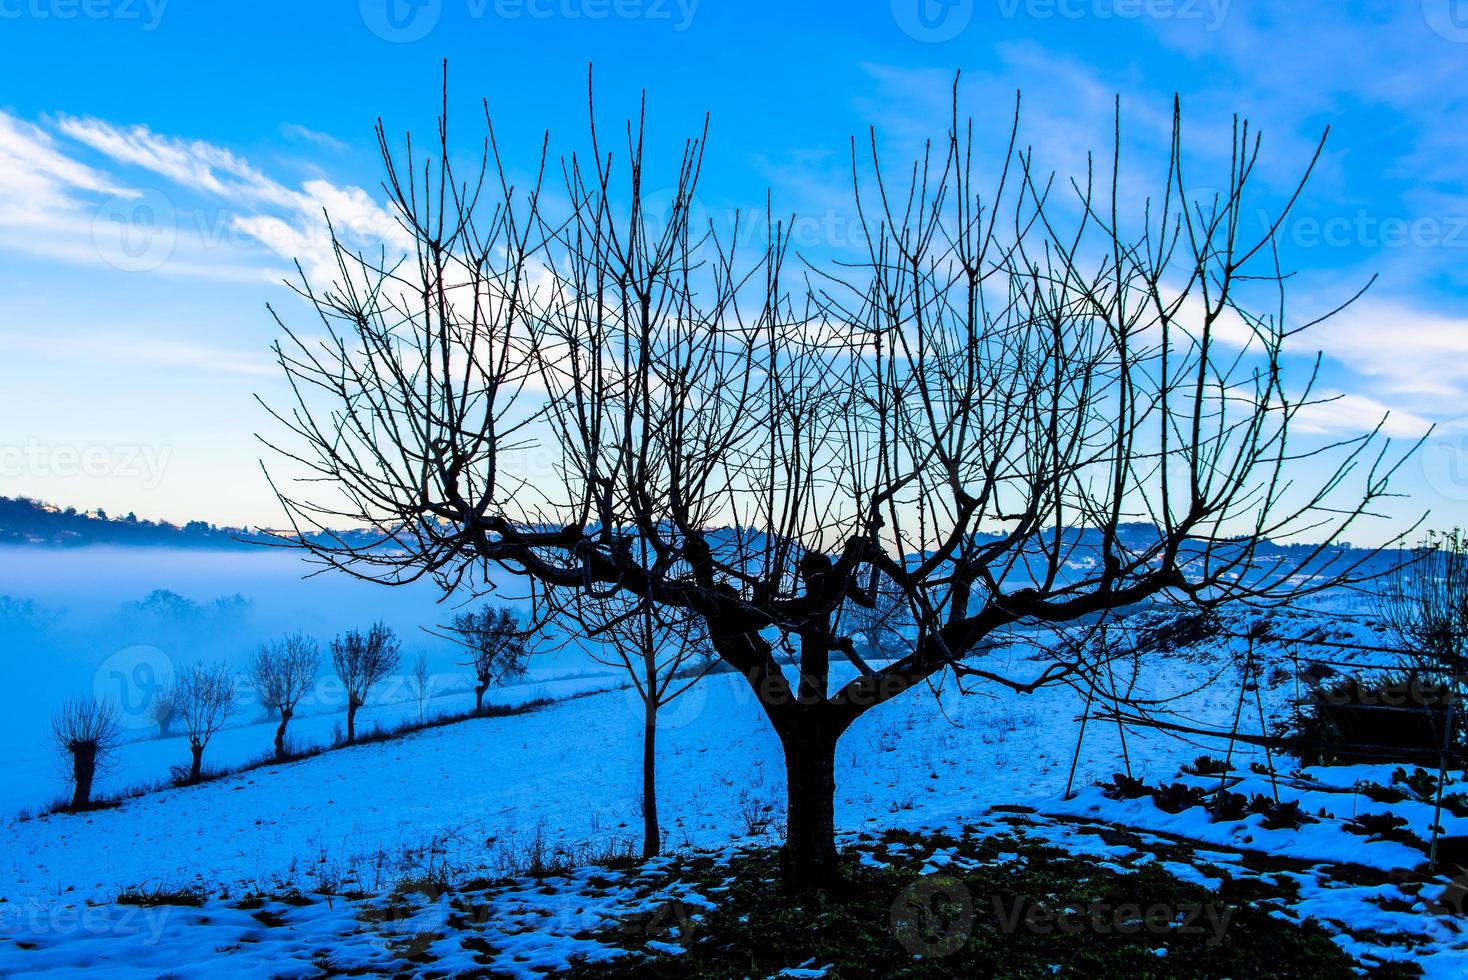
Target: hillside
[[510, 812]]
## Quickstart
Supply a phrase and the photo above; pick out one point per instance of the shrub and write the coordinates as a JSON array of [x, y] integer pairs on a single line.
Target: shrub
[[1229, 806], [1124, 787], [1381, 826], [1177, 798], [1207, 765]]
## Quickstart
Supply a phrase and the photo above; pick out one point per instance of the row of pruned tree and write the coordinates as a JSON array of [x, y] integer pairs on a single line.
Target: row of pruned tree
[[281, 673]]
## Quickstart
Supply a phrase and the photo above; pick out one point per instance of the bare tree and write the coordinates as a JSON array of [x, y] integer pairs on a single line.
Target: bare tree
[[1424, 601], [973, 411], [660, 648], [86, 732], [496, 644], [420, 681], [362, 660], [281, 674], [204, 697], [160, 709]]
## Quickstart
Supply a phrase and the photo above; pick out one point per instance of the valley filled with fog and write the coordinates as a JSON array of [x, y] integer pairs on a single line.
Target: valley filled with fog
[[115, 622]]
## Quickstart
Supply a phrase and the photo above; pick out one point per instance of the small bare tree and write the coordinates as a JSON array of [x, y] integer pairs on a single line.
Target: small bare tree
[[362, 660], [281, 674], [161, 710], [420, 681], [86, 732], [497, 646], [1424, 601], [661, 651], [204, 699]]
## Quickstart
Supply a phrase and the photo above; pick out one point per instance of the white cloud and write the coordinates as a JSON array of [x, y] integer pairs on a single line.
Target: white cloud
[[130, 348], [1347, 414], [193, 164], [296, 131], [218, 214], [37, 180], [1417, 355]]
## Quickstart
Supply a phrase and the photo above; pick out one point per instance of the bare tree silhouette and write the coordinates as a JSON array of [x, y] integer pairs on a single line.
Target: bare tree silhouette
[[362, 661], [204, 697], [660, 648], [497, 646], [86, 732], [281, 674], [971, 415]]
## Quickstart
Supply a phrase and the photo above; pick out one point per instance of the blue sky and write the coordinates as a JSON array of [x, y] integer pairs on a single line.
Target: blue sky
[[161, 162]]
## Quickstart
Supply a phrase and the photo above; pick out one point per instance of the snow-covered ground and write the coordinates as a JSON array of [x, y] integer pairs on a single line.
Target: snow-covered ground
[[473, 799]]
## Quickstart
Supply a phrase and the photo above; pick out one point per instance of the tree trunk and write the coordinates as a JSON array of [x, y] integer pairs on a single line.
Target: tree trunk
[[809, 859], [351, 720], [479, 690], [652, 839], [196, 770], [285, 717], [83, 770]]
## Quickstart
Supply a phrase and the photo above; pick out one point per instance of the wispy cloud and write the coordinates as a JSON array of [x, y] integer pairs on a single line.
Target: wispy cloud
[[114, 347], [193, 164], [302, 134], [37, 180], [1342, 414], [196, 208]]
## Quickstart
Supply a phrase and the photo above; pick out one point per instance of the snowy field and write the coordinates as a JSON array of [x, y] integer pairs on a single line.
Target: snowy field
[[473, 800]]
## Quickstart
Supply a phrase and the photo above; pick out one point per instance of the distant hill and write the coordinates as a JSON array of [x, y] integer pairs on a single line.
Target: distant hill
[[31, 522]]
